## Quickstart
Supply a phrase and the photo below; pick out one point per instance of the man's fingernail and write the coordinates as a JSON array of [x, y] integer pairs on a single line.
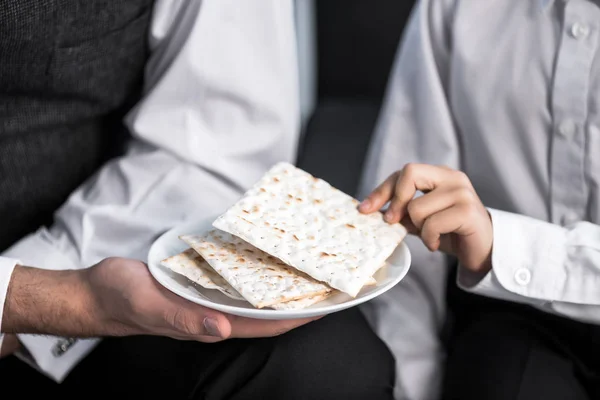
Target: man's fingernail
[[365, 204], [212, 327]]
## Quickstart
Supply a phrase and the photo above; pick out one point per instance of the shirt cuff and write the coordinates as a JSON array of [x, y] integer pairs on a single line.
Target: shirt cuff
[[51, 355], [488, 285], [527, 261], [7, 265]]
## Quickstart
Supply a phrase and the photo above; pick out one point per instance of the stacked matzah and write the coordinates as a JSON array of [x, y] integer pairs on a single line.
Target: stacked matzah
[[289, 242]]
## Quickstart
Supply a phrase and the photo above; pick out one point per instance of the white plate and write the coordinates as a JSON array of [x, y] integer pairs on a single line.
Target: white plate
[[169, 244]]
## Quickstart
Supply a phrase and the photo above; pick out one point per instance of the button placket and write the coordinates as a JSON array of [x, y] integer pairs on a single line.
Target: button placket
[[569, 109]]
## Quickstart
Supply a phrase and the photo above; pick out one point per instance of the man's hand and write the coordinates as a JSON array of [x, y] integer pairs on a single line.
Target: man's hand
[[448, 217], [118, 297], [126, 292], [10, 345]]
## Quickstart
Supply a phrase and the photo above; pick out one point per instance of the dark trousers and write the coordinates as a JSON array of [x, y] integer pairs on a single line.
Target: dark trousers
[[336, 357], [504, 351]]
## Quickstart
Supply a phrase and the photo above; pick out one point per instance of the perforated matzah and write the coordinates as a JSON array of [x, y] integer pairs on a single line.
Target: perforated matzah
[[313, 227], [260, 278], [301, 303], [191, 265]]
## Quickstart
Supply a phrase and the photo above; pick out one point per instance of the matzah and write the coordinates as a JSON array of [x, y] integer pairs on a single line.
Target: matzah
[[301, 303], [260, 278], [191, 265], [313, 227]]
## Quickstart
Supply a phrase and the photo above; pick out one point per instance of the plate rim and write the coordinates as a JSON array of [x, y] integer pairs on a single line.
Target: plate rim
[[156, 270]]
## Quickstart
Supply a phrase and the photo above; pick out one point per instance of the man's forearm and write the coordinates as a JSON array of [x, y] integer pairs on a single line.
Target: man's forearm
[[50, 302]]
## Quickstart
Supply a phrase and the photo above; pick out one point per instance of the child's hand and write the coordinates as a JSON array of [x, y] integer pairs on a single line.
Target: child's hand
[[449, 216]]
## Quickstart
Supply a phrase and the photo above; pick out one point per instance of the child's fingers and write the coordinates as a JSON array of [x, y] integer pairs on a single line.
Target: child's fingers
[[421, 208], [381, 195], [414, 178], [410, 226]]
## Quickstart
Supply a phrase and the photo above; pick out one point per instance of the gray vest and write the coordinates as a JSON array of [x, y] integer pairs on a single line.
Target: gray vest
[[69, 71]]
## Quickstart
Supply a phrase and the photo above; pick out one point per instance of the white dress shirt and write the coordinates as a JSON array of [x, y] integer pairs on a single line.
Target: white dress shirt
[[221, 106], [509, 92]]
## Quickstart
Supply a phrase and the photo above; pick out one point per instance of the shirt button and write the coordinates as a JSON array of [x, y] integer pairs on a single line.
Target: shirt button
[[522, 276], [580, 30], [569, 217], [567, 129]]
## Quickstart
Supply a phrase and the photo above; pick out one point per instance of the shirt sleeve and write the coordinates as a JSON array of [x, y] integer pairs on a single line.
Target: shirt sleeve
[[215, 115], [545, 265]]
